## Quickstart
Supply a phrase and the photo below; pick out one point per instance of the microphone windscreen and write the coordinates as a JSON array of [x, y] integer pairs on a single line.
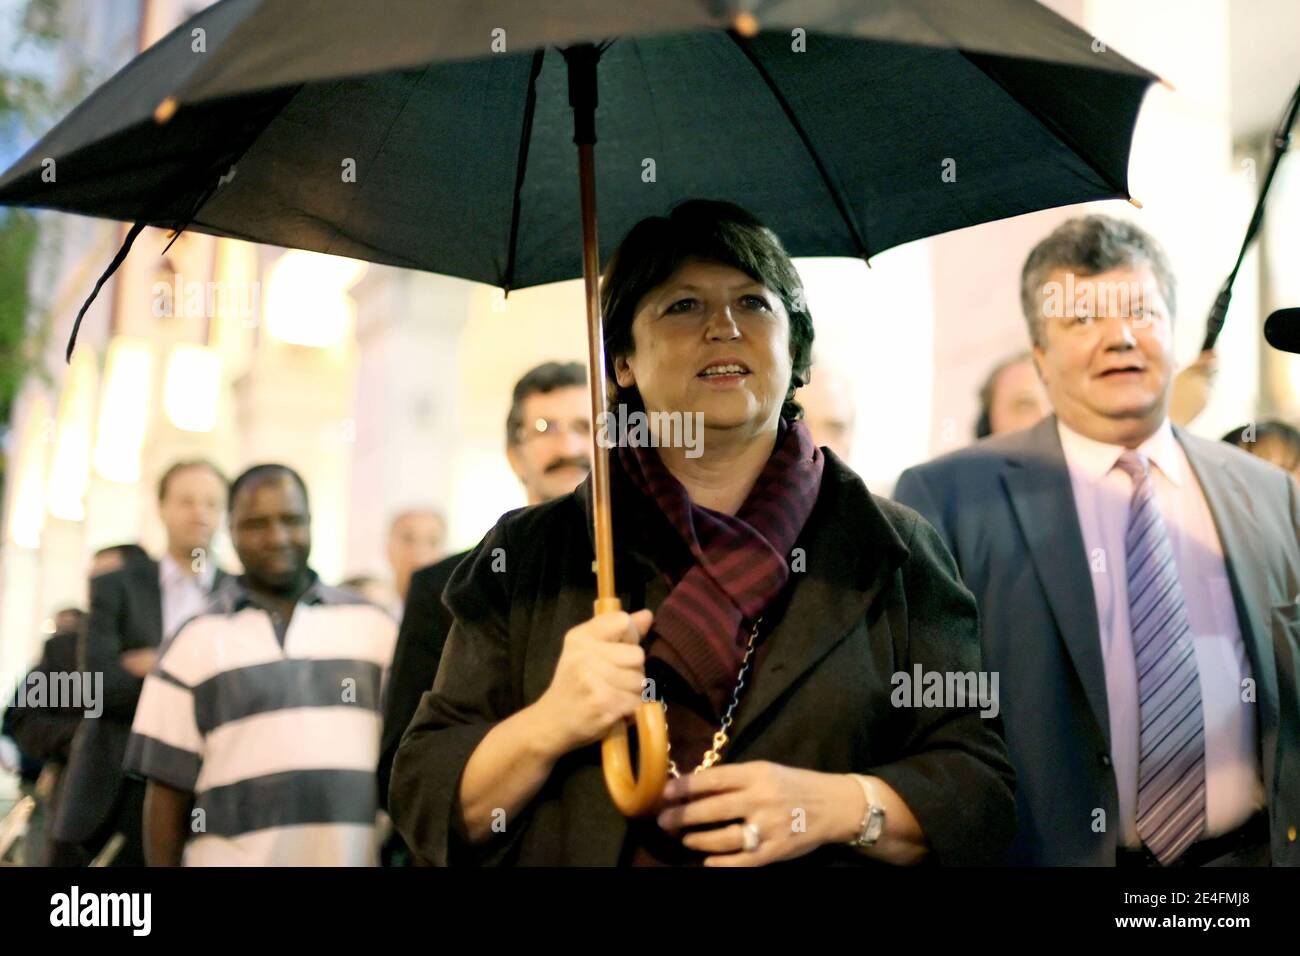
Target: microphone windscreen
[[1282, 330]]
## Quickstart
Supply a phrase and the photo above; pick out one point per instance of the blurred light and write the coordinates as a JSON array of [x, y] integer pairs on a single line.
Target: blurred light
[[191, 388], [306, 298], [236, 313], [70, 469], [27, 510], [1282, 229], [124, 410]]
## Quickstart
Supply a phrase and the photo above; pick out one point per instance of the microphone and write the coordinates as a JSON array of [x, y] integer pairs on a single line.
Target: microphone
[[1282, 330]]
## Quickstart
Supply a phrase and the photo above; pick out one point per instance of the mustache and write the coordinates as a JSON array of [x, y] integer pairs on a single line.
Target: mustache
[[576, 461]]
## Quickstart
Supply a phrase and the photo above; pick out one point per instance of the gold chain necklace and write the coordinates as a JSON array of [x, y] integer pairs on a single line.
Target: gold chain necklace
[[714, 753]]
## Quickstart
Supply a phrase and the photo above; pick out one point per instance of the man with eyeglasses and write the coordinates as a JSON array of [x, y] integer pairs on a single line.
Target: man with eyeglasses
[[548, 445]]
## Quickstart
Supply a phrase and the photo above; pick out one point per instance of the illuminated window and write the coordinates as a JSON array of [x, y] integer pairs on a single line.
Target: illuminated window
[[306, 298], [124, 410], [70, 468]]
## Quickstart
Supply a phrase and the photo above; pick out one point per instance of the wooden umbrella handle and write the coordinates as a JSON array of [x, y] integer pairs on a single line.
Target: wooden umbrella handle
[[635, 795]]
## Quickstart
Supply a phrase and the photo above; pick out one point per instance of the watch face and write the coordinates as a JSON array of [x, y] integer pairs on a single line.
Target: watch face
[[876, 824]]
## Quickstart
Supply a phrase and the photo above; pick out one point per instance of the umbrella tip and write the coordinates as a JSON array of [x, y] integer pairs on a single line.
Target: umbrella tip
[[1136, 202], [1167, 85], [745, 23], [165, 111]]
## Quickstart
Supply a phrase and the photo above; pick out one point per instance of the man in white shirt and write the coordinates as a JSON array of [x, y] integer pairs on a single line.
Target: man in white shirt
[[132, 611], [1137, 585]]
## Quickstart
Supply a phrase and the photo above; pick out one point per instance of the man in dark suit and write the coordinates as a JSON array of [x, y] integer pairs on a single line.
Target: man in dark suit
[[132, 610], [548, 441], [1137, 586]]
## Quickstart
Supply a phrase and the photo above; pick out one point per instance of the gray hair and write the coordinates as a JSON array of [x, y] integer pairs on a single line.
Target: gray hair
[[1088, 245]]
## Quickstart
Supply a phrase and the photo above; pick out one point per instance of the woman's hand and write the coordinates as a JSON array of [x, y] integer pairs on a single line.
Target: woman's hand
[[795, 812], [598, 681]]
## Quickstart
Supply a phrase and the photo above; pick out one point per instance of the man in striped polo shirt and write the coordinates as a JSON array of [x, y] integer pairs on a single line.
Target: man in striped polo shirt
[[258, 730]]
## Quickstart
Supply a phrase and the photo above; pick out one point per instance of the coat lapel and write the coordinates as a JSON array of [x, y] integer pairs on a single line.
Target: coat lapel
[[1038, 485], [1230, 506], [851, 549]]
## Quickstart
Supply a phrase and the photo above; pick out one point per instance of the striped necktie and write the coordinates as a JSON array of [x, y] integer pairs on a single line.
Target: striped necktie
[[1171, 742]]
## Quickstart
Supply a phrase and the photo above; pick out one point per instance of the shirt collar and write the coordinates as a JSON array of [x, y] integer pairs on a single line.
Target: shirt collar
[[1095, 459], [170, 573], [240, 596]]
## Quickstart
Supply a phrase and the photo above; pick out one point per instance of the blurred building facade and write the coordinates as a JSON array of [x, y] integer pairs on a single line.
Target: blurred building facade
[[388, 389]]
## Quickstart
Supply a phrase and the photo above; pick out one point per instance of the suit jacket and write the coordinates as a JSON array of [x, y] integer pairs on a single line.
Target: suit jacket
[[426, 622], [125, 614], [877, 595], [1005, 507]]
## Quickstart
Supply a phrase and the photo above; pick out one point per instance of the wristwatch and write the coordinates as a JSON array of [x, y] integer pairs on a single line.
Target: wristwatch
[[873, 821]]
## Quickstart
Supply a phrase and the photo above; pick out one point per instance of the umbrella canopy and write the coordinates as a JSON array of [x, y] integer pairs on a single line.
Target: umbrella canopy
[[438, 136]]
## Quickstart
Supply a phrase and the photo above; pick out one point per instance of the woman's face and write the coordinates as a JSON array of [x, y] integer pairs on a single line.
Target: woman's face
[[710, 339]]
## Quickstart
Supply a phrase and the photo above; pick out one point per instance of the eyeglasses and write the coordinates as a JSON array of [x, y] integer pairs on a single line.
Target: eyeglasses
[[550, 427]]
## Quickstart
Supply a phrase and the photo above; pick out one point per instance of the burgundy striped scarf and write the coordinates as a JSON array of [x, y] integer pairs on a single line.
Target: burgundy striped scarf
[[741, 562]]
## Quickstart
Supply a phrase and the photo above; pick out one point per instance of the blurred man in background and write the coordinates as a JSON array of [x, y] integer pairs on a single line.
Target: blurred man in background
[[258, 731], [829, 409], [1011, 398], [417, 538], [548, 445], [132, 610]]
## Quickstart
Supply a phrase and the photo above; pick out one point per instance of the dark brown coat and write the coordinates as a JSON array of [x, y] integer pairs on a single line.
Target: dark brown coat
[[878, 594]]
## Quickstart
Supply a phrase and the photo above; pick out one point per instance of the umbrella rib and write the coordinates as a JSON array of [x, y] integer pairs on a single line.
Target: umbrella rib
[[521, 167], [840, 204]]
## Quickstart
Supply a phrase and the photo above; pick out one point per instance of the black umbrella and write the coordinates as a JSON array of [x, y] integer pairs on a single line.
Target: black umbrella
[[436, 136]]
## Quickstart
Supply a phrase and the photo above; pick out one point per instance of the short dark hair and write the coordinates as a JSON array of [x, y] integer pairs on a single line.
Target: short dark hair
[[1273, 429], [984, 424], [1089, 245], [180, 466], [260, 473], [546, 377], [714, 231]]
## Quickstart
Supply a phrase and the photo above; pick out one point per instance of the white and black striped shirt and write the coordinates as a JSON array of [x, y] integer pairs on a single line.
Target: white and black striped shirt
[[274, 730]]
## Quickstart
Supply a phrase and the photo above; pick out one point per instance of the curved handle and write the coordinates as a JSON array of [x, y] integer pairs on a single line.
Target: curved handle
[[635, 795]]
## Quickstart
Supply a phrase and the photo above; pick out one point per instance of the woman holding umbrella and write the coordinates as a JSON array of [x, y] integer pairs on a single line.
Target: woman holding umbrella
[[783, 609]]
